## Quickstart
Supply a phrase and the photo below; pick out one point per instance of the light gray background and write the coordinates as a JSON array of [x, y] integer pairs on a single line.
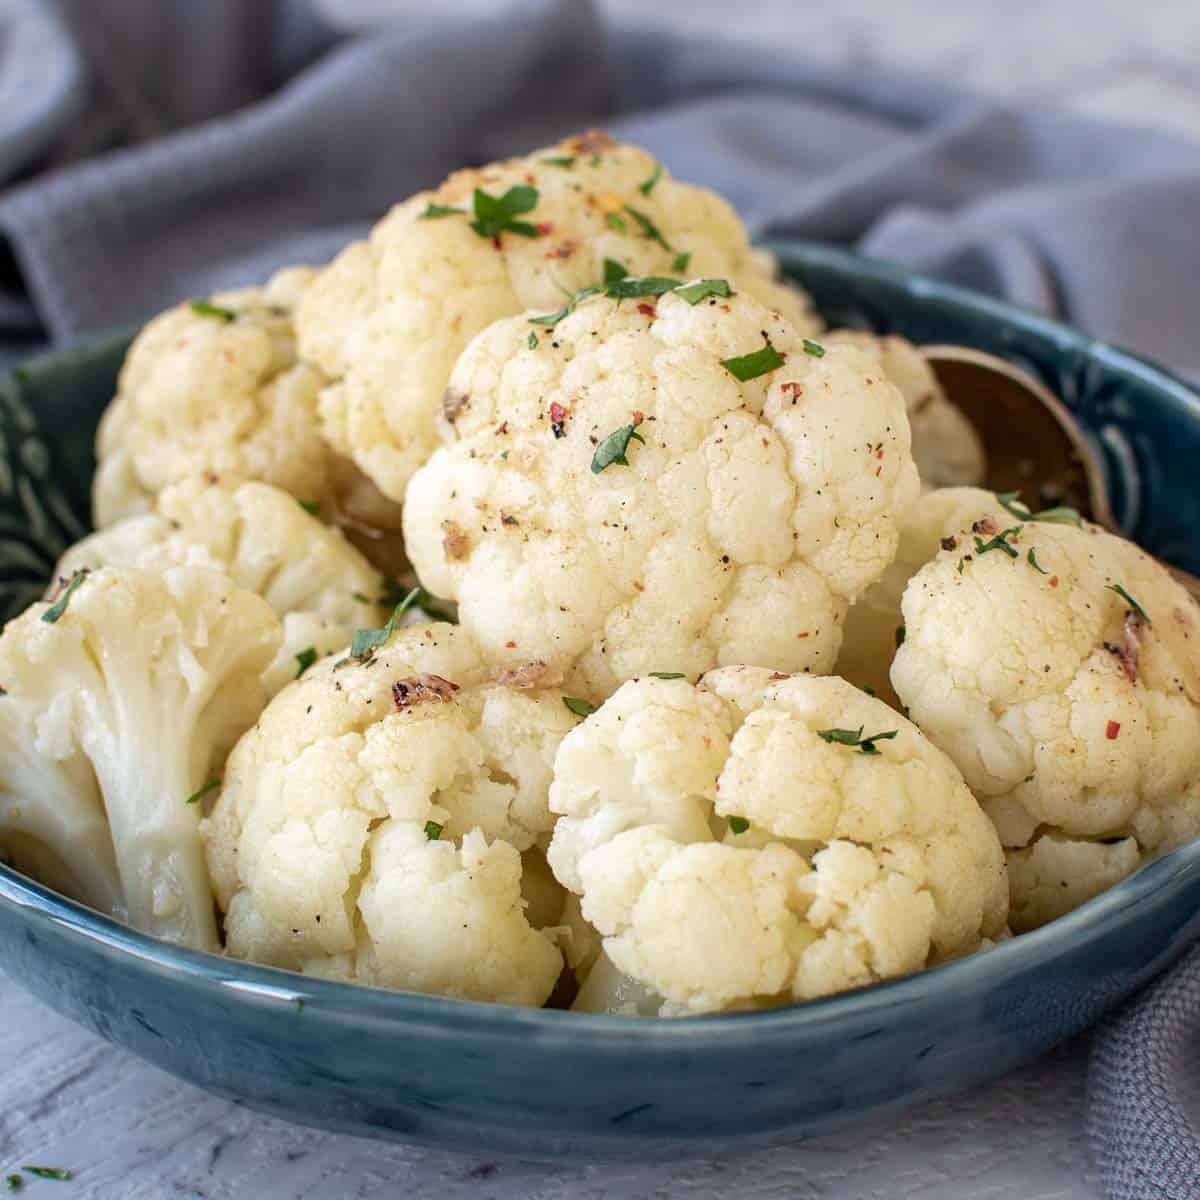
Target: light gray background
[[132, 1133]]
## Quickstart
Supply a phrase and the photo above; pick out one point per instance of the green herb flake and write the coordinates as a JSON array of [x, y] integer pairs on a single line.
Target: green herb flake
[[635, 289], [201, 792], [435, 212], [667, 675], [366, 641], [581, 708], [298, 1003], [60, 1173], [360, 598], [815, 349], [552, 319], [647, 185], [612, 449], [1011, 503], [854, 737], [305, 659], [648, 228], [1033, 562], [1133, 604], [204, 308], [693, 293], [565, 161], [1029, 777], [750, 366], [509, 519], [680, 265], [613, 271], [999, 542], [738, 824], [59, 607], [616, 222], [433, 830], [532, 340], [433, 608], [495, 215], [14, 1183], [962, 563], [312, 507]]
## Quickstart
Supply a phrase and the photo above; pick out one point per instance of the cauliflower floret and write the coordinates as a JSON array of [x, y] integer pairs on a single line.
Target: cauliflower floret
[[372, 824], [215, 389], [747, 840], [389, 317], [872, 629], [741, 518], [120, 702], [1059, 666], [946, 447]]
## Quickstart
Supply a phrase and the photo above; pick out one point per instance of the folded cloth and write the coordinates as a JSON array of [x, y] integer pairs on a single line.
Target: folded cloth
[[262, 135]]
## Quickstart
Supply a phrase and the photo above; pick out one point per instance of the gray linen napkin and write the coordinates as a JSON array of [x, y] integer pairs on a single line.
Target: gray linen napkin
[[257, 135]]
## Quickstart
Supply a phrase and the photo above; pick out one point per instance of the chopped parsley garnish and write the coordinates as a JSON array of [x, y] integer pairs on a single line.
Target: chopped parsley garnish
[[1029, 777], [559, 160], [667, 675], [434, 212], [999, 542], [204, 308], [60, 1173], [305, 659], [738, 824], [14, 1183], [495, 215], [532, 340], [298, 1001], [359, 597], [312, 507], [552, 319], [509, 519], [813, 348], [866, 687], [616, 222], [1011, 503], [634, 289], [1137, 608], [612, 449], [750, 366], [199, 795], [613, 271], [59, 607], [433, 608], [647, 185], [433, 830], [693, 293], [681, 262], [648, 228], [1033, 562], [854, 737], [581, 708], [366, 641], [901, 633]]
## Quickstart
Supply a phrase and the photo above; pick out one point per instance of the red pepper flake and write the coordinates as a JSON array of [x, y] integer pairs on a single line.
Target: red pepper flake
[[765, 442], [511, 645], [878, 472], [502, 428], [558, 420], [879, 452], [638, 416], [1053, 581], [544, 227], [795, 388], [803, 635], [777, 675], [1111, 730], [647, 310], [496, 241]]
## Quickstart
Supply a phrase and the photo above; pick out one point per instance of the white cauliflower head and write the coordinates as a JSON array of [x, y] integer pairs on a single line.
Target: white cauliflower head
[[320, 586], [872, 629], [389, 317], [760, 837], [372, 824], [214, 388], [615, 499], [1059, 666], [120, 702], [947, 450]]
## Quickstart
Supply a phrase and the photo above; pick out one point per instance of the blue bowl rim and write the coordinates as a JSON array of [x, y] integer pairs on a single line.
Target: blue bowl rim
[[271, 986]]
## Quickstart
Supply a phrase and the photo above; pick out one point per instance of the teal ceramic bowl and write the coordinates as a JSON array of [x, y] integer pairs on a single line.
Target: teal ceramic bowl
[[542, 1083]]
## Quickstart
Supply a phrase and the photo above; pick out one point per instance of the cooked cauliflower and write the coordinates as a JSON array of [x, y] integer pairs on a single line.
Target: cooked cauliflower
[[946, 448], [1059, 666], [214, 389], [387, 319], [874, 620], [614, 499], [319, 585], [372, 824], [760, 837], [120, 702]]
